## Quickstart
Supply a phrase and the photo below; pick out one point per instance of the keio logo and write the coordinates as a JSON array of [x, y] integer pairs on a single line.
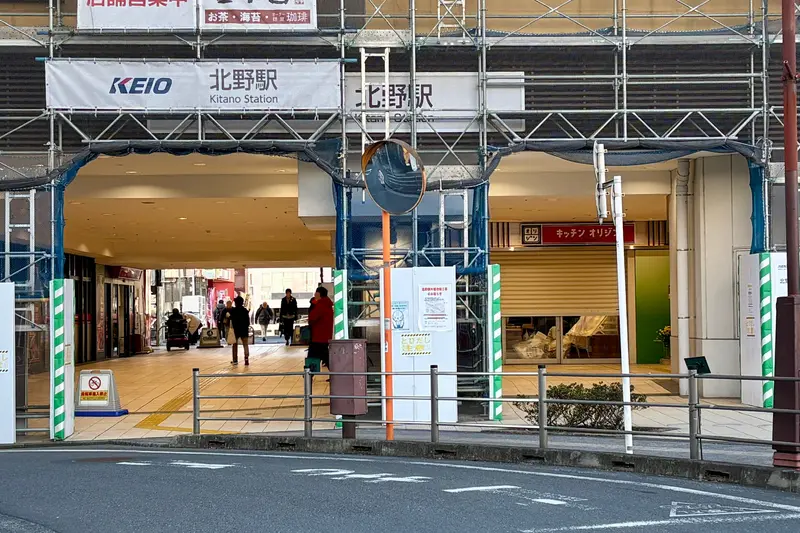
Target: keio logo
[[140, 86]]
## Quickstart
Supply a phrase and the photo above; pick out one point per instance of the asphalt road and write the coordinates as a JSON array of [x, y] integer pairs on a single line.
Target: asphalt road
[[142, 490]]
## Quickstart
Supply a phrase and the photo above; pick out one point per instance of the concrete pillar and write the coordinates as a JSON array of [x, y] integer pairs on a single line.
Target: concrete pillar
[[719, 231], [679, 259]]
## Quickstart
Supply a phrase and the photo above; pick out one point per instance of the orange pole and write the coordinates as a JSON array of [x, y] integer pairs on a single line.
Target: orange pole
[[386, 301]]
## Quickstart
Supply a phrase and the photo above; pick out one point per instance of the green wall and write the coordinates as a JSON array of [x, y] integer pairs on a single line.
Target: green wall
[[652, 303]]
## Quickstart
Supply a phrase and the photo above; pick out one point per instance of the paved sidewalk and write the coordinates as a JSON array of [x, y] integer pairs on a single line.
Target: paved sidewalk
[[156, 389]]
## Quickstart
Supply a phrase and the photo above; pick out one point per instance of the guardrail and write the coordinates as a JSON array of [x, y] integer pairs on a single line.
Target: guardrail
[[695, 437]]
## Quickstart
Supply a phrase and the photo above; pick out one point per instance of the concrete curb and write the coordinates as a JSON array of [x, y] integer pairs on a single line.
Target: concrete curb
[[155, 442], [746, 475]]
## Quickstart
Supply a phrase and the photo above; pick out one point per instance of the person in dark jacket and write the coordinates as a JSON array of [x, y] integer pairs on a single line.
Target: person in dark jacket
[[288, 315], [263, 318], [219, 318], [176, 324], [321, 321], [239, 321]]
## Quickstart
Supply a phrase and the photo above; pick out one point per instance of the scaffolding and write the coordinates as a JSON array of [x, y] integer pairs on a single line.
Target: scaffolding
[[693, 75]]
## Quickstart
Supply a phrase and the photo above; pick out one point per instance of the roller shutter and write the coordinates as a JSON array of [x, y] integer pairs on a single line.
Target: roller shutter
[[558, 281]]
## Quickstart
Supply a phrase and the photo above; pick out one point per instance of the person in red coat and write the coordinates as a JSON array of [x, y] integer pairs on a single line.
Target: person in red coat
[[320, 318]]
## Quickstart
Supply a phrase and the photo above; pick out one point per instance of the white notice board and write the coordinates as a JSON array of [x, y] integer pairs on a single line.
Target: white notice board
[[427, 311], [8, 375]]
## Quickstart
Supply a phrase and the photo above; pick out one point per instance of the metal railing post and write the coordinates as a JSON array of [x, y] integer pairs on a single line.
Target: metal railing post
[[308, 413], [694, 418], [543, 407], [434, 403], [195, 401]]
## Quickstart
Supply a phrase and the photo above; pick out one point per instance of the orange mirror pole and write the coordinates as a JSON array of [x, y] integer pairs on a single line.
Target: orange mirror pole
[[386, 302]]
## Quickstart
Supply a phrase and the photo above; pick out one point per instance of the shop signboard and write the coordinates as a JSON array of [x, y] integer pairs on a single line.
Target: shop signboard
[[282, 15], [97, 15], [573, 234], [125, 273], [180, 86]]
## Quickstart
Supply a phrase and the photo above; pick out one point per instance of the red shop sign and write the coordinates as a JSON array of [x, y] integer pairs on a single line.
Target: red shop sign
[[573, 234], [130, 274]]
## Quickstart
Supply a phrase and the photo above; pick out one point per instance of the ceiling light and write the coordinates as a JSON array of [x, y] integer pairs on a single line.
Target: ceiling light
[[131, 172], [181, 218], [108, 214], [76, 203], [199, 164]]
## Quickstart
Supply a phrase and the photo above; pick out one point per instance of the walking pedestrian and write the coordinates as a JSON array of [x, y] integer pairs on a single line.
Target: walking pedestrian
[[239, 323], [219, 316], [321, 321], [263, 318], [288, 315]]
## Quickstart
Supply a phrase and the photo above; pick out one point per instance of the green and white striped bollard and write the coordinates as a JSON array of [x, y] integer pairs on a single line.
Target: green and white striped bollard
[[340, 323], [765, 294], [495, 343], [59, 418]]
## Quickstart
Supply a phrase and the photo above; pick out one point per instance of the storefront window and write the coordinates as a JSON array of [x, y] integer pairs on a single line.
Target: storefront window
[[534, 339], [531, 338], [590, 337]]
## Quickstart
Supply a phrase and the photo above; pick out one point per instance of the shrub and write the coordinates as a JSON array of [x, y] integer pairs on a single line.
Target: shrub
[[583, 415]]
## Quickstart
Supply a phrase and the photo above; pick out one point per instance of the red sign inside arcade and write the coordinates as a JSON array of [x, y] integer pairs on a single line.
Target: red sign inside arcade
[[573, 234]]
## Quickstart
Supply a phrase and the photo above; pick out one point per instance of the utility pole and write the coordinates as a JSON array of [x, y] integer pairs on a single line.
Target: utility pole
[[617, 213], [786, 427]]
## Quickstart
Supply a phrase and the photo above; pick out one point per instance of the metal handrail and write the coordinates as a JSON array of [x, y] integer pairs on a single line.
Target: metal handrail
[[695, 437]]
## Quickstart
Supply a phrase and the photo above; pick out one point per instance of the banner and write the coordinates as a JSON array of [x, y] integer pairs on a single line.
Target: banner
[[137, 14], [183, 86], [285, 15], [434, 91]]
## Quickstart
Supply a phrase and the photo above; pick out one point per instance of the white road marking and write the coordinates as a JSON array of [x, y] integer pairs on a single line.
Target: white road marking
[[516, 492], [363, 476], [666, 523], [323, 472], [681, 509], [318, 458], [206, 466], [406, 479], [549, 502], [185, 464], [369, 478], [480, 489]]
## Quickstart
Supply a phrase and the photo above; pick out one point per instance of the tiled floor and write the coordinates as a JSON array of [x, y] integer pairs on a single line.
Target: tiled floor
[[157, 390]]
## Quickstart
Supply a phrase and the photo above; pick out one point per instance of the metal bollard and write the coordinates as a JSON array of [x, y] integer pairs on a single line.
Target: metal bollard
[[434, 403], [308, 404], [542, 407], [195, 401], [694, 417]]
